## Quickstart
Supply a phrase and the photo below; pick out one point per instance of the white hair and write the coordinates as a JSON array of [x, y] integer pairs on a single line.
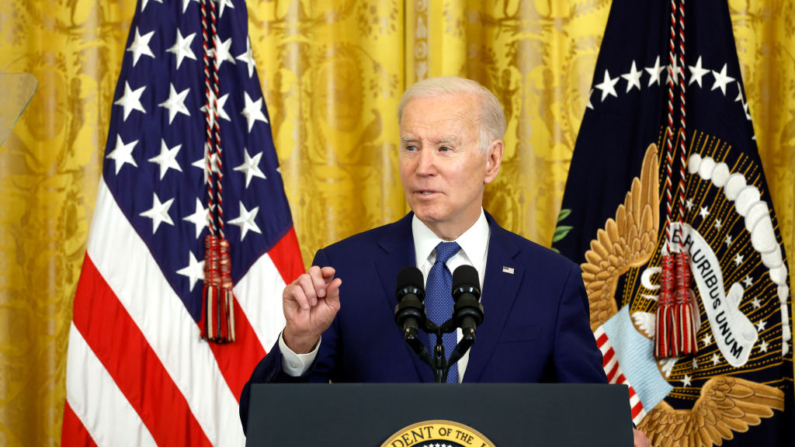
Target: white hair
[[492, 118]]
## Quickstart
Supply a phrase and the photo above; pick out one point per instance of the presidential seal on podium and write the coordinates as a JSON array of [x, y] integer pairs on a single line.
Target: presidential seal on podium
[[437, 433]]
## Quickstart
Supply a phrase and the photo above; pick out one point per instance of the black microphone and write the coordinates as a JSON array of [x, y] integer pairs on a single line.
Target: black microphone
[[467, 312], [410, 311]]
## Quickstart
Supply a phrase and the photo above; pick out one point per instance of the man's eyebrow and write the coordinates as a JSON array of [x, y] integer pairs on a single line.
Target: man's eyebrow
[[443, 140]]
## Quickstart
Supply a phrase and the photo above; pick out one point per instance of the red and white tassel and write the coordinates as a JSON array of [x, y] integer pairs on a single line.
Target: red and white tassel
[[209, 322], [685, 306], [226, 296], [664, 340]]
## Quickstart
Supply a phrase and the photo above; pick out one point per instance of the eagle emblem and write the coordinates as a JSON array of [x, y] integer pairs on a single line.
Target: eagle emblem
[[620, 267]]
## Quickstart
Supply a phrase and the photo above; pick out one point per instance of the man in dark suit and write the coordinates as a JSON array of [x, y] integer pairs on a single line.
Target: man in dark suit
[[536, 318]]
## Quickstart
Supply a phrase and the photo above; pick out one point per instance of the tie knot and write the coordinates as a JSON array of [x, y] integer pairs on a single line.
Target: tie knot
[[446, 250]]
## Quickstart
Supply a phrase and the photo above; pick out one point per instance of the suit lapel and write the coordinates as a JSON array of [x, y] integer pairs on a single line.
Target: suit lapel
[[398, 246], [499, 292]]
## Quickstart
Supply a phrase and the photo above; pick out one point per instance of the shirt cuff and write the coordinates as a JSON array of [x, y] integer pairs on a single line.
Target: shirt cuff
[[296, 365]]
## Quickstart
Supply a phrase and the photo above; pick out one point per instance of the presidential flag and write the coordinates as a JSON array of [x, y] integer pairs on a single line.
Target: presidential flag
[[666, 162], [138, 372]]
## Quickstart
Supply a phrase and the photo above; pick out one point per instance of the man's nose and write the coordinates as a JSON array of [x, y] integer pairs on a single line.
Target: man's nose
[[426, 165]]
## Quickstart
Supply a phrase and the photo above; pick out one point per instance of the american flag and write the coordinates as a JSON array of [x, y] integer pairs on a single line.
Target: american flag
[[138, 372]]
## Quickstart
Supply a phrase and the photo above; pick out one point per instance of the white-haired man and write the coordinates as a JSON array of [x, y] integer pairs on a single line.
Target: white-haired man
[[536, 328]]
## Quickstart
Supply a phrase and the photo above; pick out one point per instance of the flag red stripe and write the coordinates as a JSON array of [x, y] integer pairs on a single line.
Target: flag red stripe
[[237, 360], [286, 256], [607, 357], [601, 340], [74, 433], [124, 352], [612, 372]]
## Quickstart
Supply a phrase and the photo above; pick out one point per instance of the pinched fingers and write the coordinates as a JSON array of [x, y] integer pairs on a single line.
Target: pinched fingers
[[296, 292], [319, 281], [328, 274], [333, 290], [310, 286]]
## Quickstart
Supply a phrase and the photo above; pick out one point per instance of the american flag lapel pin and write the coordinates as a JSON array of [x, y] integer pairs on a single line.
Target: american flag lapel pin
[[508, 270]]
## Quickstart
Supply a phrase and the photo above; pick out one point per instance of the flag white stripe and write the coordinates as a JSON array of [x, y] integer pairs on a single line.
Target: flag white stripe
[[259, 294], [124, 261], [598, 333], [610, 364], [637, 420], [617, 375], [98, 402]]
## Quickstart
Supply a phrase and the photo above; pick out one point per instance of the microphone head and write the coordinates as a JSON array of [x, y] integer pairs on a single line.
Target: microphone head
[[411, 278], [467, 312], [466, 277]]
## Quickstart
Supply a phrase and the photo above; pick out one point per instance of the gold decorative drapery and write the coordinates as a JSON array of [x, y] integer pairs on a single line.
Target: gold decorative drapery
[[332, 73]]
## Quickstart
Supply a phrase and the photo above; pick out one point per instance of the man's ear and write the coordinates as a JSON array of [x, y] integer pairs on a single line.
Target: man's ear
[[493, 160]]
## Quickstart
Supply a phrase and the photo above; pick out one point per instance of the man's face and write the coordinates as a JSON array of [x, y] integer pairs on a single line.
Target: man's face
[[442, 166]]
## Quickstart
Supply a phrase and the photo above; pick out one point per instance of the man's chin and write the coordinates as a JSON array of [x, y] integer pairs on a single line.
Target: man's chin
[[429, 216], [423, 214]]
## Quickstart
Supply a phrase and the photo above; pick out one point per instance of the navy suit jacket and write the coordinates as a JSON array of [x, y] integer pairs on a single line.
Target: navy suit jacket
[[535, 327]]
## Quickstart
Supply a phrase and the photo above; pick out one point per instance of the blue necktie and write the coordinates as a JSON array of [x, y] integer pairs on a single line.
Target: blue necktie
[[439, 300]]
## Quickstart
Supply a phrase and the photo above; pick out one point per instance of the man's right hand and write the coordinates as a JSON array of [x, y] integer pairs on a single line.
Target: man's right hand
[[310, 304]]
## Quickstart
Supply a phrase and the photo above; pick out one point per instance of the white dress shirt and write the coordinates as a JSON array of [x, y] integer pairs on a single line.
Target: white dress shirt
[[474, 245]]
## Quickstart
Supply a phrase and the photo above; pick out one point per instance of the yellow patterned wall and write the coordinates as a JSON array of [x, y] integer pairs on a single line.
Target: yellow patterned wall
[[332, 73], [49, 171]]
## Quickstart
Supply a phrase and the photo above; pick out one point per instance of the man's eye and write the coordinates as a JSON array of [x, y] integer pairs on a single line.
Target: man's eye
[[411, 148], [445, 149]]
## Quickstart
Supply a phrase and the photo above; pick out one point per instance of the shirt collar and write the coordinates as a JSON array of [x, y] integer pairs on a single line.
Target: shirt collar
[[473, 242]]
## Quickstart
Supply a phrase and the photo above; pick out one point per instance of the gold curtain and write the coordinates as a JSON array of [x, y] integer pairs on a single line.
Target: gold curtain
[[332, 73]]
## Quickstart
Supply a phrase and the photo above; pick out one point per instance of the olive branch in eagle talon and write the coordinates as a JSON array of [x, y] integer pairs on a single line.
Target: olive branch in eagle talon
[[627, 241]]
